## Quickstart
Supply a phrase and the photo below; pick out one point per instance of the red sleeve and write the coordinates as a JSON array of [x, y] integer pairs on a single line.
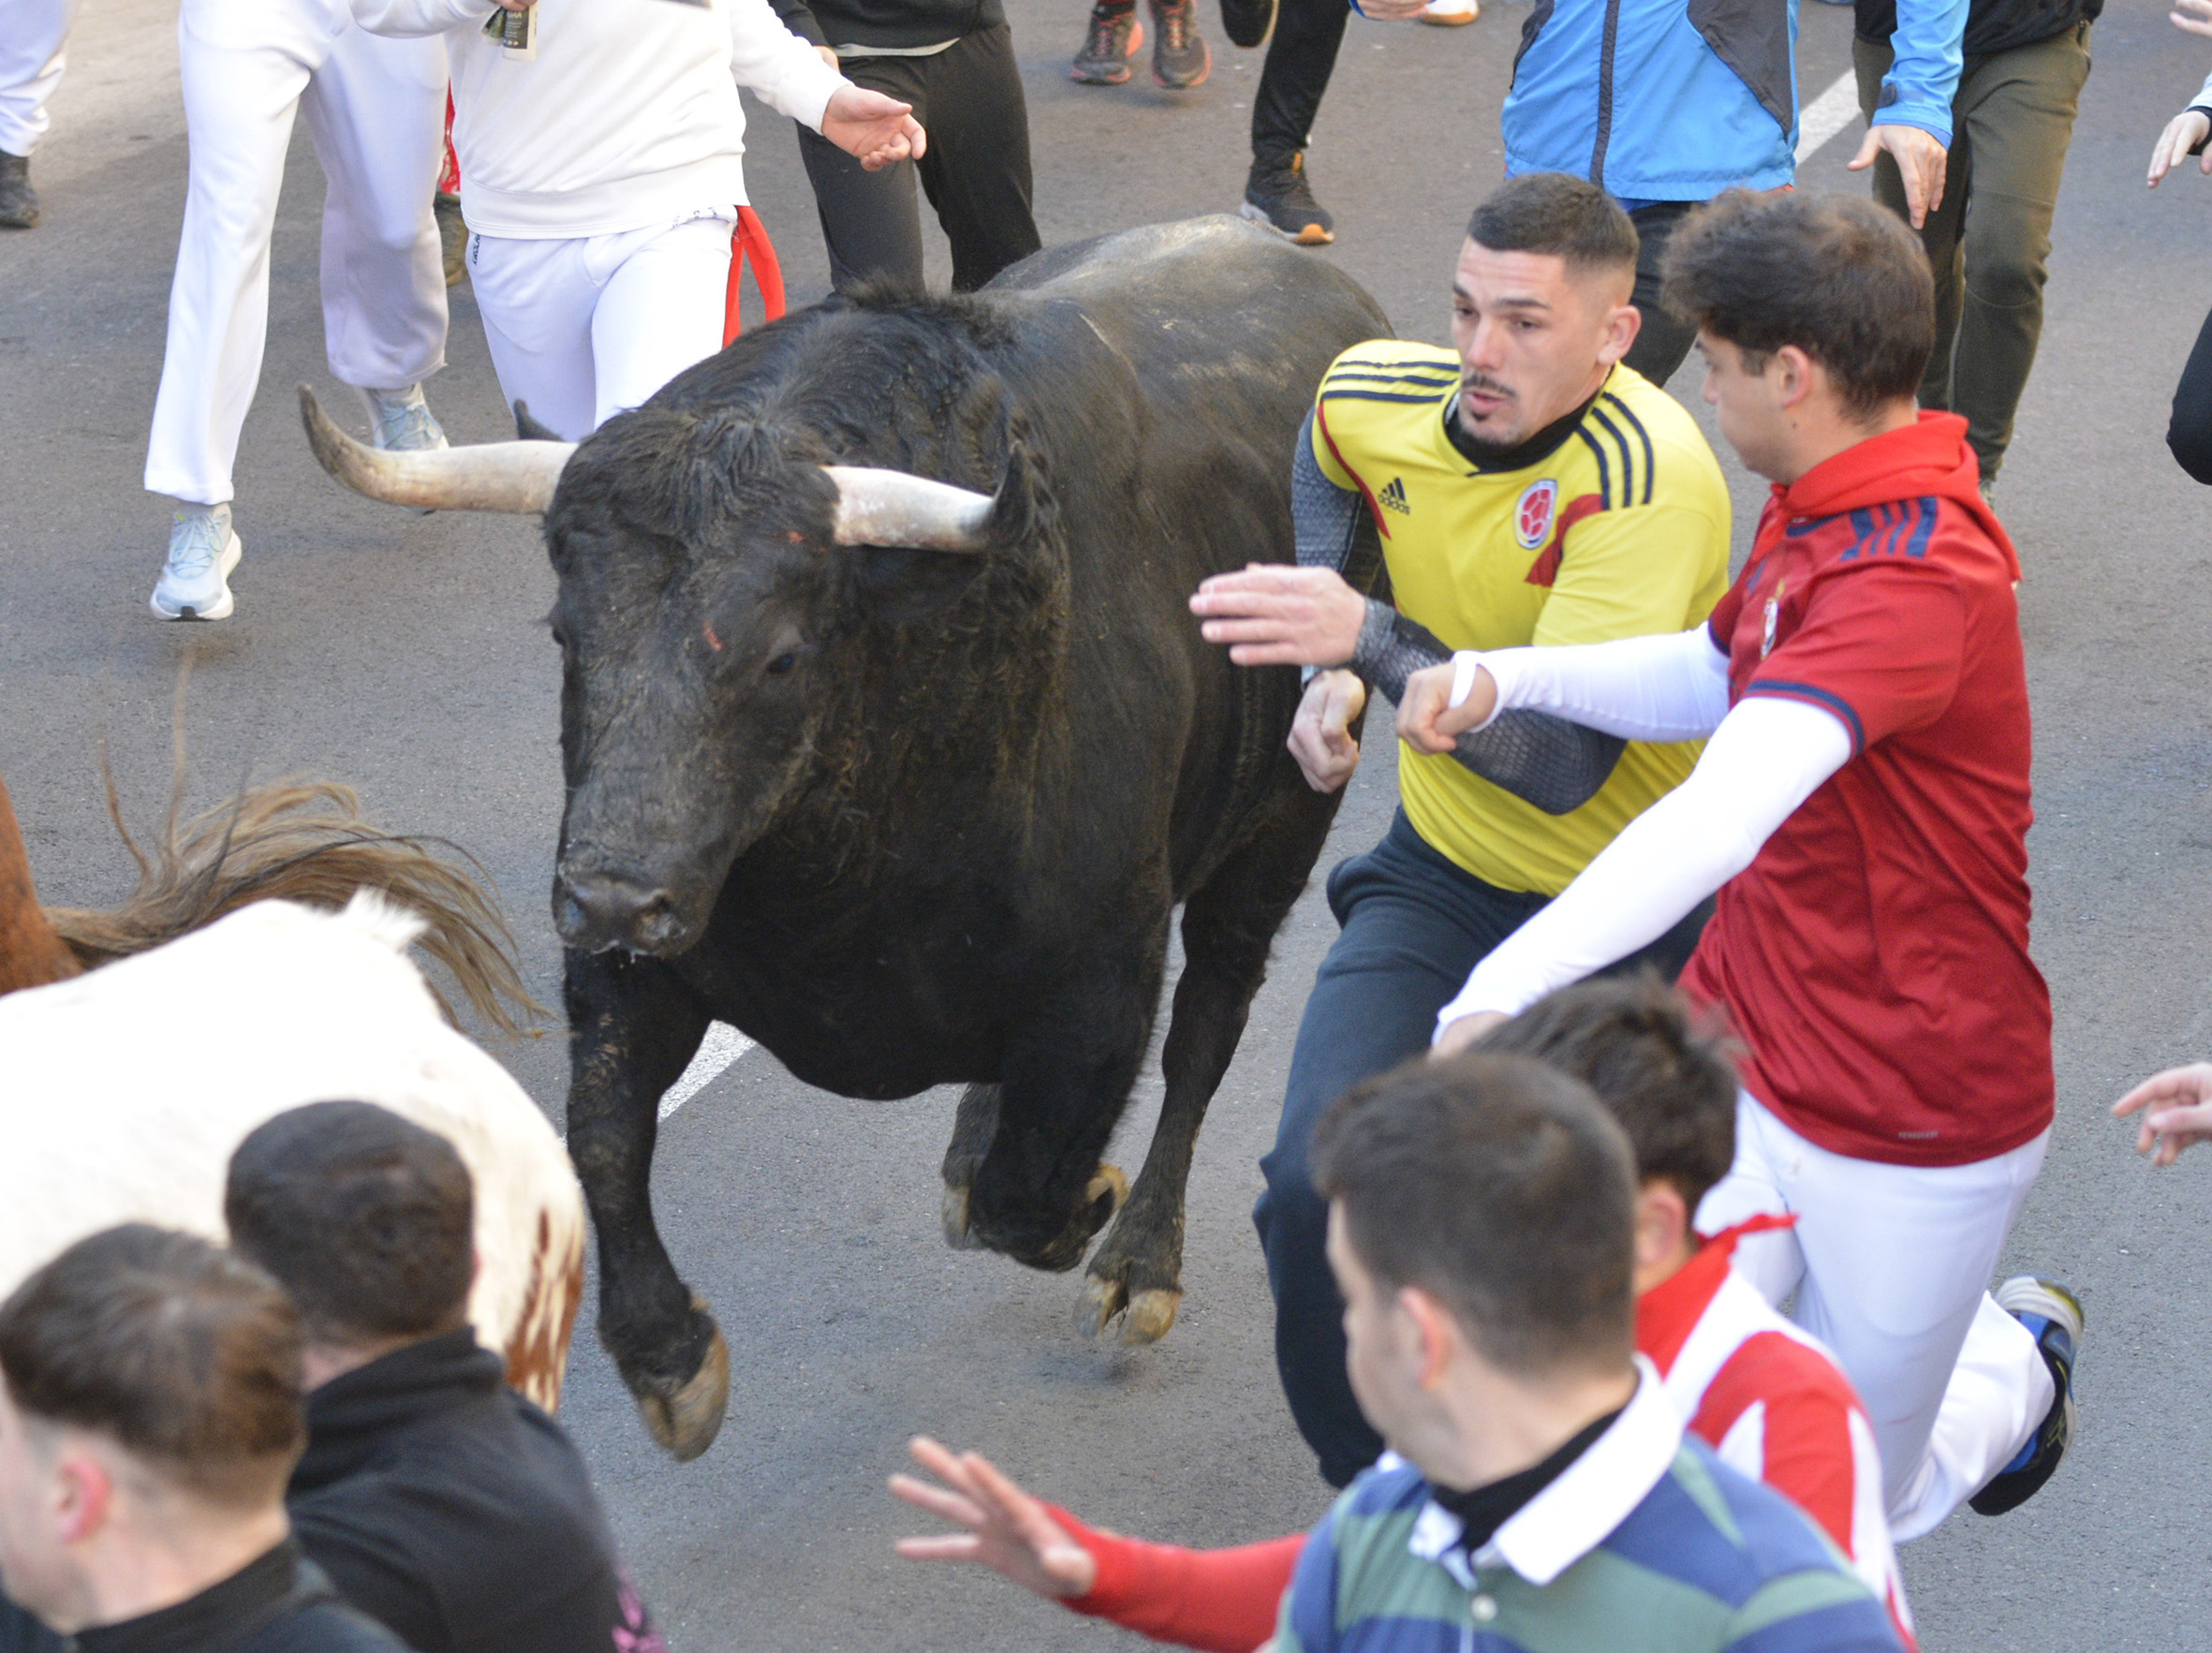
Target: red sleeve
[[1881, 648], [1806, 1439], [1218, 1600]]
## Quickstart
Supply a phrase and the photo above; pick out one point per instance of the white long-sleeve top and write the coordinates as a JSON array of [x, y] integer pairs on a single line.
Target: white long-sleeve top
[[1763, 758], [627, 114]]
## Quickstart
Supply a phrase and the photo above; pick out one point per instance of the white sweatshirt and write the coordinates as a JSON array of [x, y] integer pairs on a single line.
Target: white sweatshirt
[[626, 115]]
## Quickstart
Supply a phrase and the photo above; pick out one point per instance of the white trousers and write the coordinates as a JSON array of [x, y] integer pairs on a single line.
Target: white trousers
[[1890, 1267], [376, 110], [33, 34], [581, 330]]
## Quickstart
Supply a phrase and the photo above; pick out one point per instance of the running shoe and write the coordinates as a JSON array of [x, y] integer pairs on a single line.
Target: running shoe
[[2054, 1315], [202, 551], [1451, 14], [400, 421], [19, 201], [1278, 195], [1180, 57], [1115, 36]]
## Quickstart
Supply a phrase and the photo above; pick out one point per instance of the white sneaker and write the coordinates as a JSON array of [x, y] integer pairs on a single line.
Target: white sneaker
[[202, 551], [401, 420], [1451, 14]]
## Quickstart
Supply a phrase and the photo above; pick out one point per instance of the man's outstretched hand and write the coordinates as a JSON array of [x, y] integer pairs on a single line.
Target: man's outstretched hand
[[1008, 1530], [1274, 615], [1921, 160], [879, 130], [2180, 1111]]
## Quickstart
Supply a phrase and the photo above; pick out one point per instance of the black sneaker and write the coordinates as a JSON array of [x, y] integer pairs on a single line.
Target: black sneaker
[[19, 201], [1277, 196], [1248, 23], [1115, 36], [2054, 1314], [1180, 57]]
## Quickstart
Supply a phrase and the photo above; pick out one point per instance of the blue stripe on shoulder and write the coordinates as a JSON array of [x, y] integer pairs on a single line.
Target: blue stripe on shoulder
[[1628, 463], [1382, 1492], [1842, 1627], [1605, 471], [1918, 544], [1438, 380], [1669, 1534], [1313, 1588], [1650, 454], [1818, 697]]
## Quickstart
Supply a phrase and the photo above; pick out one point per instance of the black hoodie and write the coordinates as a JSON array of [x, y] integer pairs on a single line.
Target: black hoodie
[[275, 1604], [1992, 25], [898, 25], [448, 1507]]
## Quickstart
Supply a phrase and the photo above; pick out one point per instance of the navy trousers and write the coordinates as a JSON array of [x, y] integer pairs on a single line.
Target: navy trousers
[[1413, 924]]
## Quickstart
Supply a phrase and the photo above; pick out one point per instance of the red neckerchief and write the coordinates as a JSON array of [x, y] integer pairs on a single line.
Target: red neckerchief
[[1670, 1311]]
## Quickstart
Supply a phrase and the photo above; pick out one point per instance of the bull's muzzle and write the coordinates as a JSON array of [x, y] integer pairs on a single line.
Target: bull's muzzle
[[596, 911]]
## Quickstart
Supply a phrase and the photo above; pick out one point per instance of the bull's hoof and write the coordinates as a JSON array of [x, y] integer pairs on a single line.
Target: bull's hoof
[[954, 1216], [1145, 1318], [686, 1422]]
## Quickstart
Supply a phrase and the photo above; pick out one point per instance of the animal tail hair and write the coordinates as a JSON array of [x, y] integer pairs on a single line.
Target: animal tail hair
[[304, 839]]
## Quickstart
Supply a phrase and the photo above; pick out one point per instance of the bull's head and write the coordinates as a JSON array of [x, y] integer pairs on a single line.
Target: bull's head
[[704, 578]]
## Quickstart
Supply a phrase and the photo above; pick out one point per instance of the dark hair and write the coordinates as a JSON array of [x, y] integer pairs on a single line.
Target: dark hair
[[1499, 1186], [1559, 215], [366, 1219], [185, 1356], [1841, 278], [1664, 1071]]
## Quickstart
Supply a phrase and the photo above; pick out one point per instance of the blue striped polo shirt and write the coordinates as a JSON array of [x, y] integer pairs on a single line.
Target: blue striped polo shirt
[[1646, 1544]]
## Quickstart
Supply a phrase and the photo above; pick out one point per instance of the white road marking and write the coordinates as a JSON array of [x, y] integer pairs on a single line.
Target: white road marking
[[1826, 115], [722, 1046]]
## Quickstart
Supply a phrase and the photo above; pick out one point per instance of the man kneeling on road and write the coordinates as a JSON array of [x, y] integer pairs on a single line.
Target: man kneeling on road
[[1526, 488], [1483, 1221], [440, 1501], [1862, 810]]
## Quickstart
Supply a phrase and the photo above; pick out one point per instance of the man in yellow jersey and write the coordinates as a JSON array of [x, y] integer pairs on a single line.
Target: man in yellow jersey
[[1525, 489]]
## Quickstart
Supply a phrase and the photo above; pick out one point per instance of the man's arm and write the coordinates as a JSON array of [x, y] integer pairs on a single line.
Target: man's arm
[[1217, 1601], [1766, 758], [422, 17], [1913, 118]]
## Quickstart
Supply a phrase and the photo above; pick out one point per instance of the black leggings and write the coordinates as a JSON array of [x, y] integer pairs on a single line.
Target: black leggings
[[976, 170], [1300, 56], [2189, 435]]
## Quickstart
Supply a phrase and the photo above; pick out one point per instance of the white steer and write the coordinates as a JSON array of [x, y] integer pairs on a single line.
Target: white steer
[[124, 1091]]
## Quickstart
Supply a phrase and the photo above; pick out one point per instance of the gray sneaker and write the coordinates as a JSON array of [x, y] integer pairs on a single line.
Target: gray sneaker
[[401, 420], [202, 551], [19, 201]]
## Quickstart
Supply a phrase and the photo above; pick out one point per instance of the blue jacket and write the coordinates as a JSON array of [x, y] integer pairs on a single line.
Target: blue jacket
[[1679, 100]]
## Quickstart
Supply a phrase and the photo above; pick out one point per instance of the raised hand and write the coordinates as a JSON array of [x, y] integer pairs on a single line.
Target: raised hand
[[2182, 133], [1008, 1530], [2180, 1111], [1274, 614]]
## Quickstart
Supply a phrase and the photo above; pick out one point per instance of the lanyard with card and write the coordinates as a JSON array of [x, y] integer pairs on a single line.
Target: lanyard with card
[[516, 33]]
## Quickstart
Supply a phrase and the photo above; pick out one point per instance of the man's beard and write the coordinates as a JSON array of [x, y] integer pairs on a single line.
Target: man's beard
[[1482, 441]]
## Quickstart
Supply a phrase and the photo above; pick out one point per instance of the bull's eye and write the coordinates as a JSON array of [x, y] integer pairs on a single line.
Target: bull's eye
[[781, 664]]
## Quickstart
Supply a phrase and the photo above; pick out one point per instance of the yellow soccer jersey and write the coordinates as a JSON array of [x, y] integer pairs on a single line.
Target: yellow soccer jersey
[[1622, 531]]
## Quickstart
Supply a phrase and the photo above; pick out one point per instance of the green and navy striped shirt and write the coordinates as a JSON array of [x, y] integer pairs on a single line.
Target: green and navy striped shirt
[[1646, 1544]]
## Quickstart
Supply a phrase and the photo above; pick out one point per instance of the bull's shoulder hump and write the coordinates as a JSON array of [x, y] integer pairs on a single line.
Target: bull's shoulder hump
[[1218, 253]]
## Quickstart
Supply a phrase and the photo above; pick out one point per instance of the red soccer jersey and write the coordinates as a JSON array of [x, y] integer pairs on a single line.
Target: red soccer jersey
[[1874, 956]]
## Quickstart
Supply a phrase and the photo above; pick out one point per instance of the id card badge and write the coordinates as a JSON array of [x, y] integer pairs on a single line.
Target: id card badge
[[516, 33]]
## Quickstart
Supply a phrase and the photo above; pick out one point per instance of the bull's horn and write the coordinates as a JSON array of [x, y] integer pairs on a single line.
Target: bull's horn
[[896, 508], [491, 476]]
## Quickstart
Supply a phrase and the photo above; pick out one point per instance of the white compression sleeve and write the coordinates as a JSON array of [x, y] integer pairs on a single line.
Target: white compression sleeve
[[1765, 759], [1669, 687]]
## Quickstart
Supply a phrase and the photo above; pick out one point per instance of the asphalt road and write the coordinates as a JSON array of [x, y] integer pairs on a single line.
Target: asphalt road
[[404, 654]]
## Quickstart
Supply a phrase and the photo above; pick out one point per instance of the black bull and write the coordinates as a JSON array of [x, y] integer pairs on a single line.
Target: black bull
[[910, 817]]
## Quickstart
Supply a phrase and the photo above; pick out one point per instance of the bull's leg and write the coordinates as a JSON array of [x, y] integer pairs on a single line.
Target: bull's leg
[[973, 1127], [1040, 1193], [1228, 924], [633, 1025]]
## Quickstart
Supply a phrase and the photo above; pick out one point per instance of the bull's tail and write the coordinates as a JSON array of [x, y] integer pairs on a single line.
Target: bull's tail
[[302, 839]]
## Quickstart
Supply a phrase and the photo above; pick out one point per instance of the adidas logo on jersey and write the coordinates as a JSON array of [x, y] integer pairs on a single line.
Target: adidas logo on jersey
[[1394, 497]]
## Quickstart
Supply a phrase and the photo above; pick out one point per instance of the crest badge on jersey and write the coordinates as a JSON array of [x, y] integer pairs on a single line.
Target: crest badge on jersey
[[1532, 516]]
